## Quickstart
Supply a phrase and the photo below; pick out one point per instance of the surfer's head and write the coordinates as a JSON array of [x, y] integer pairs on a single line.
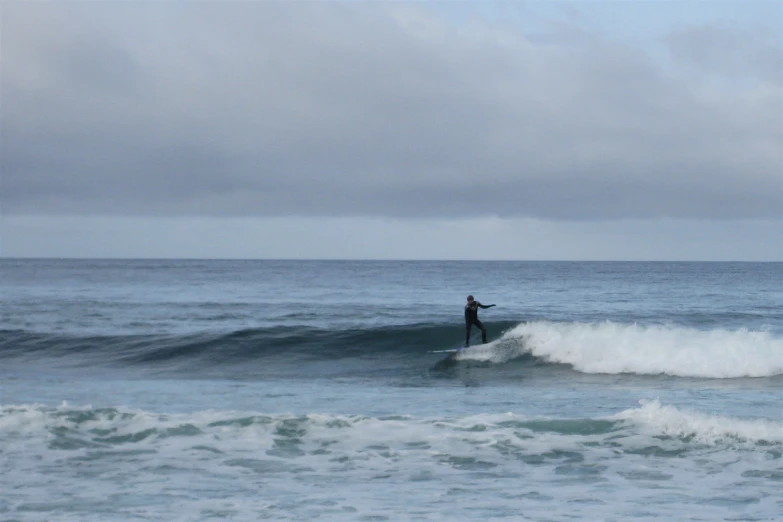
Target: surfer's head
[[470, 298]]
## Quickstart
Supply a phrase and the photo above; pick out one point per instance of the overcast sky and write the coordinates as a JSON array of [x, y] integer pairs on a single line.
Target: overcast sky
[[467, 130]]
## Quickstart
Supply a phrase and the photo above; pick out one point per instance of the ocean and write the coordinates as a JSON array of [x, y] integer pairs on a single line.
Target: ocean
[[306, 390]]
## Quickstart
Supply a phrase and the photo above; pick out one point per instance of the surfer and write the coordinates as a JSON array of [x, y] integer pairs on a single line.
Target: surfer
[[471, 318]]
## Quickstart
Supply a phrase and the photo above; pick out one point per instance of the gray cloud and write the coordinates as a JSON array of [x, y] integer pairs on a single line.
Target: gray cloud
[[729, 51], [357, 109]]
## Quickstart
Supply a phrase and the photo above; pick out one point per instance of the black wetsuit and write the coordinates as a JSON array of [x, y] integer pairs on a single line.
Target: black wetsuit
[[471, 318]]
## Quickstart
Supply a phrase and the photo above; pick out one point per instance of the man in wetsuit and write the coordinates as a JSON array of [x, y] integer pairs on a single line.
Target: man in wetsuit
[[471, 318]]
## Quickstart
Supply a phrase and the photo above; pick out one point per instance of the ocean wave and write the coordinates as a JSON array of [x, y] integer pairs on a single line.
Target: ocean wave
[[181, 463], [594, 348], [614, 348], [669, 421], [85, 427], [239, 345]]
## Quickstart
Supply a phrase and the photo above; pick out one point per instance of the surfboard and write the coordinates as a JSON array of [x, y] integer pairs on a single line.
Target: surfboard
[[453, 350]]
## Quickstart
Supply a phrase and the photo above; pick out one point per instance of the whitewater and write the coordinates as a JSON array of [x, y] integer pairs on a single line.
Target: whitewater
[[613, 348], [302, 390]]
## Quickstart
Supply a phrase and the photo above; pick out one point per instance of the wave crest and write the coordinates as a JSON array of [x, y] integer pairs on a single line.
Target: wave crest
[[614, 348], [670, 421], [87, 427]]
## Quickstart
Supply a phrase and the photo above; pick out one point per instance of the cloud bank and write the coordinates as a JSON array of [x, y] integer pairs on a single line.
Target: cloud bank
[[387, 110]]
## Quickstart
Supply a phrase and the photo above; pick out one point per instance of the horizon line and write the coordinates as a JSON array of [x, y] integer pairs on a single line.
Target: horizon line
[[380, 260]]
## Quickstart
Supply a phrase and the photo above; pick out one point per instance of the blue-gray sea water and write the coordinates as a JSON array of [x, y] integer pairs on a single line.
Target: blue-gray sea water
[[305, 390]]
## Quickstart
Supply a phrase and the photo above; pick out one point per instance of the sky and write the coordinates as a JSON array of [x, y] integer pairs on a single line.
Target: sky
[[583, 130]]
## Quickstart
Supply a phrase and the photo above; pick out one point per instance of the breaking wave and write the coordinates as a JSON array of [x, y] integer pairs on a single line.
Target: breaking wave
[[594, 348], [75, 427], [613, 348]]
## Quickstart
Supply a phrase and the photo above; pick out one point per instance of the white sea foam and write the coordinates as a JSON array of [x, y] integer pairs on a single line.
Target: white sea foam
[[614, 348], [245, 430], [670, 421], [341, 467]]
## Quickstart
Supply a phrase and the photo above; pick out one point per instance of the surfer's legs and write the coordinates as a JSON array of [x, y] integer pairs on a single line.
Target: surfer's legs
[[483, 331], [480, 326]]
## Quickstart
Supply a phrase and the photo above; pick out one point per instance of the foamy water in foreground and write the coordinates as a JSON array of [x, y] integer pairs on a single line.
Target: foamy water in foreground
[[651, 461]]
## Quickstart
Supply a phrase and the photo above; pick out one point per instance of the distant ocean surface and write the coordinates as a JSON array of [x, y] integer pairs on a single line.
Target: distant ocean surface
[[305, 390]]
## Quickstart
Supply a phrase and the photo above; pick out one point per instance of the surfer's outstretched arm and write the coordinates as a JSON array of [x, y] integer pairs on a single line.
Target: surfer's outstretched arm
[[485, 306]]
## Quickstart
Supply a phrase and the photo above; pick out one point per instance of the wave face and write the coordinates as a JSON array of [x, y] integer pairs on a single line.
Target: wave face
[[612, 348], [245, 343], [594, 348]]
